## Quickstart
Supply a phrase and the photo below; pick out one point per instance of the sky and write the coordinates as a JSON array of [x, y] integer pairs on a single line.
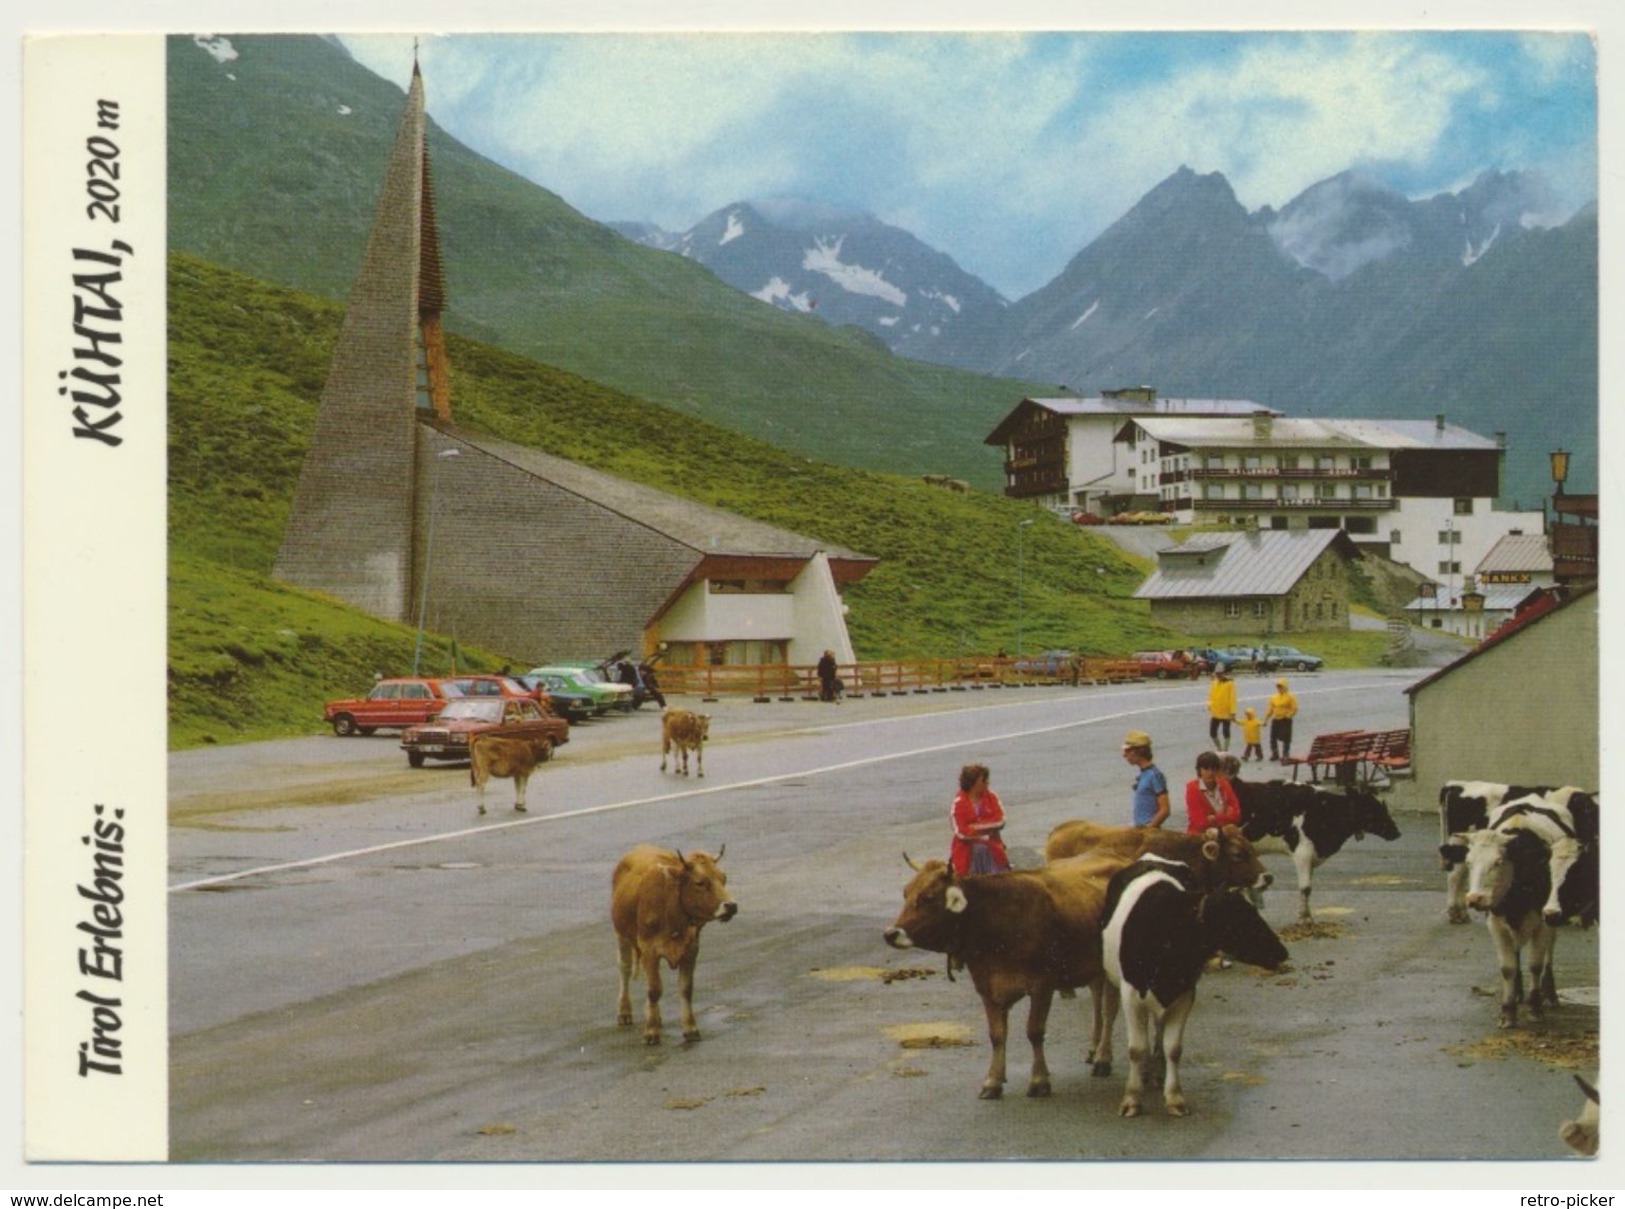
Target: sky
[[1012, 150]]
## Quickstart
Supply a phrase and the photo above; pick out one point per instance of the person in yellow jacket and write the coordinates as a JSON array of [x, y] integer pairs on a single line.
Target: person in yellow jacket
[[1221, 707], [1252, 734], [1279, 711]]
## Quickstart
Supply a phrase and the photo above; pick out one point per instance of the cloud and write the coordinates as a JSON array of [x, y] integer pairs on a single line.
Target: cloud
[[1009, 151]]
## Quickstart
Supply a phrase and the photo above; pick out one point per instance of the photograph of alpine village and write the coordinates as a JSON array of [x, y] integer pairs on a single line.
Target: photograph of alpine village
[[1070, 558]]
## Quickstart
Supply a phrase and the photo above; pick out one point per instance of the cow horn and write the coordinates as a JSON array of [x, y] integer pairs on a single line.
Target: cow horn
[[910, 863], [682, 860], [722, 851]]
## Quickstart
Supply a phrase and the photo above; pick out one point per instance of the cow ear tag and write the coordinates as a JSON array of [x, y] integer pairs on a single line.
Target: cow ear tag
[[955, 900], [1210, 850]]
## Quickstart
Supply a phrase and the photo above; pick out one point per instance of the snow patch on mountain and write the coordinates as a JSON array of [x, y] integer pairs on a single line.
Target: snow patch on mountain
[[825, 257], [1093, 307], [219, 49], [778, 290], [734, 229], [1470, 254]]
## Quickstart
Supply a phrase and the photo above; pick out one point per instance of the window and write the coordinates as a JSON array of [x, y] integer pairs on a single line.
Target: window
[[1278, 522], [1326, 462], [1361, 524], [1362, 463], [1326, 491], [1362, 491], [1252, 491], [1261, 608], [1289, 461], [1252, 461], [1232, 608], [1324, 522], [1289, 491], [1214, 461], [1464, 507], [1214, 491], [1449, 568], [1395, 537], [1450, 537]]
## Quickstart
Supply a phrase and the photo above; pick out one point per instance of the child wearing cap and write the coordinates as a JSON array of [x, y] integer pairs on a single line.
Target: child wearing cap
[[1279, 712], [1150, 801]]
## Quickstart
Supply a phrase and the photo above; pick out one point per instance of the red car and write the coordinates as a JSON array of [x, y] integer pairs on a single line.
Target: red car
[[396, 702], [446, 735], [1087, 518], [493, 684]]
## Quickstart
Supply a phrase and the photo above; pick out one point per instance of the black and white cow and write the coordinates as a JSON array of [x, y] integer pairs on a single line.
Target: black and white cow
[[1466, 806], [1509, 878], [1159, 930], [1313, 823], [1571, 844]]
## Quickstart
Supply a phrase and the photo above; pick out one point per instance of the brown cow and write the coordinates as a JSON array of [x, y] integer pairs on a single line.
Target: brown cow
[[684, 729], [513, 756], [1220, 856], [659, 901], [1026, 932]]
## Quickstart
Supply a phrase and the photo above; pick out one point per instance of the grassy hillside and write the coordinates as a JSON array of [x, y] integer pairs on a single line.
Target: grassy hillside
[[251, 657], [275, 161]]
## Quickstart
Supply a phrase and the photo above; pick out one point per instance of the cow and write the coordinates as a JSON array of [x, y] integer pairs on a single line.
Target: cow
[[1466, 806], [1571, 846], [1509, 879], [1313, 823], [1220, 856], [513, 756], [659, 901], [1581, 1134], [684, 730], [1159, 929], [1021, 933]]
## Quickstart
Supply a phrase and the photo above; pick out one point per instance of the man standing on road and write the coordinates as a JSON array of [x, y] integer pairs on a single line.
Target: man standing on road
[[1279, 712], [1150, 803], [1221, 707], [826, 677]]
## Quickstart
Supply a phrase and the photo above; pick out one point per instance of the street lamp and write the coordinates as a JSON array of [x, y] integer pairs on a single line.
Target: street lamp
[[1560, 469], [428, 552], [1020, 525]]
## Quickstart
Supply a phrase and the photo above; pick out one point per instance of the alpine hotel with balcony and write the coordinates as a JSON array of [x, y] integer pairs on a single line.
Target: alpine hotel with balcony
[[1420, 492]]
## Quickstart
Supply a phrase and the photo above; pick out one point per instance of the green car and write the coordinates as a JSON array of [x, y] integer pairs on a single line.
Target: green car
[[605, 696]]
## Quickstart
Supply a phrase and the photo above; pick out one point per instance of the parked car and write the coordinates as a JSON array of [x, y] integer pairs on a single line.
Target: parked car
[[596, 672], [564, 697], [1288, 658], [394, 702], [1082, 517], [446, 736], [1166, 665], [1239, 658], [604, 696]]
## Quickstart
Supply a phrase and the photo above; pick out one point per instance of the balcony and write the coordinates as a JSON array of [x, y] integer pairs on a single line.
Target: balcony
[[1369, 474], [1305, 505]]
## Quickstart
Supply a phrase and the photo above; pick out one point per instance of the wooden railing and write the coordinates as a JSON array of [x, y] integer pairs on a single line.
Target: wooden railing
[[898, 677]]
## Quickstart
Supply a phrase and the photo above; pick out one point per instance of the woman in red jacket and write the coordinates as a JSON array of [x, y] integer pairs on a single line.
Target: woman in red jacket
[[1209, 800], [978, 818]]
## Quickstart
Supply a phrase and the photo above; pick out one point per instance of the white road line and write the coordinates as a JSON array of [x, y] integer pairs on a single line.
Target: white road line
[[980, 740]]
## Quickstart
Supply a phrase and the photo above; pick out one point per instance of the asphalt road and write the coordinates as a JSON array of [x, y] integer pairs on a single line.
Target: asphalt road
[[362, 969]]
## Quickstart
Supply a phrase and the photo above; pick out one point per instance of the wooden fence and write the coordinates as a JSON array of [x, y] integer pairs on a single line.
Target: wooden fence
[[897, 677]]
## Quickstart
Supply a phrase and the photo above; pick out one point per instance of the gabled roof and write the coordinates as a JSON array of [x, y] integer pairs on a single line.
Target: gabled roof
[[1198, 432], [1110, 406], [1262, 563], [1412, 434], [706, 530], [1518, 552], [1548, 605], [1498, 598]]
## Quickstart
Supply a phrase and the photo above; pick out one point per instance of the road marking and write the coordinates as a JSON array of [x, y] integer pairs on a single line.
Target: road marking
[[487, 829]]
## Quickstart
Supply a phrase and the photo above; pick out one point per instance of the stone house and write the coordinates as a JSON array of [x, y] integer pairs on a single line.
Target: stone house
[[1258, 582]]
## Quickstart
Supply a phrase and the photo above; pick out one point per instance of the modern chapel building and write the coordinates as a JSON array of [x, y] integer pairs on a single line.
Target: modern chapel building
[[405, 514]]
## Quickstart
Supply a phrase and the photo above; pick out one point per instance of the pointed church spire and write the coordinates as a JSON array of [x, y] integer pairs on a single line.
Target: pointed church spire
[[350, 531]]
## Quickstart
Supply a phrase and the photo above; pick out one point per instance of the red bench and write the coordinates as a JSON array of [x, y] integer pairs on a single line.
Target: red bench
[[1354, 756]]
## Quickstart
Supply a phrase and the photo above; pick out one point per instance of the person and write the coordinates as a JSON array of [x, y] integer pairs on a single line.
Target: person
[[1221, 707], [651, 685], [978, 818], [1150, 802], [1209, 800], [826, 677], [1279, 711], [1252, 734]]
